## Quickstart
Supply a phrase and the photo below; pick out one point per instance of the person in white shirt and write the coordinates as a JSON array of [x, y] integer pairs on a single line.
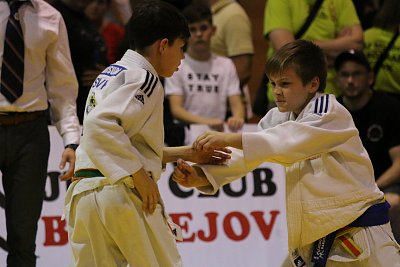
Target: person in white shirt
[[48, 78], [336, 215], [199, 91]]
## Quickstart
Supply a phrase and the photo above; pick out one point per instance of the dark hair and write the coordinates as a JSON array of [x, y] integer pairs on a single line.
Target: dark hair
[[196, 12], [388, 17], [305, 57], [179, 4], [354, 56], [153, 20]]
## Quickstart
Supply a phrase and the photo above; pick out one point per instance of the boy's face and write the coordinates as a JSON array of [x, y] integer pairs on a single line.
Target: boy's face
[[289, 92], [200, 35], [353, 79], [171, 56]]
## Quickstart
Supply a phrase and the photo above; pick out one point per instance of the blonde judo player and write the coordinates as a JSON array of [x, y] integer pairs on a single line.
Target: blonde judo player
[[336, 215], [113, 208]]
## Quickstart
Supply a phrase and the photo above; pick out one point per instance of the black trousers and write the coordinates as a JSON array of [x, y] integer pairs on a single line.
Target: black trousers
[[24, 153]]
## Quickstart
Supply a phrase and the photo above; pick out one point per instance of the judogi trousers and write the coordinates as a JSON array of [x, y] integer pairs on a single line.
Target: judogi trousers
[[107, 227]]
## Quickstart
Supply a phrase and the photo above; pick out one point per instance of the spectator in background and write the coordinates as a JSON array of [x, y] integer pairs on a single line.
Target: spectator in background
[[385, 28], [112, 33], [47, 76], [233, 39], [233, 36], [377, 118], [88, 50], [335, 28], [199, 90]]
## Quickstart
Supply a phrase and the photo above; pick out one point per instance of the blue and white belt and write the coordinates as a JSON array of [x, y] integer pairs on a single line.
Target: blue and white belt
[[377, 214]]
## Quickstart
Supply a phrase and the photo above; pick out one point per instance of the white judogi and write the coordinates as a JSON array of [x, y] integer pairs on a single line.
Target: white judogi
[[122, 133], [329, 177]]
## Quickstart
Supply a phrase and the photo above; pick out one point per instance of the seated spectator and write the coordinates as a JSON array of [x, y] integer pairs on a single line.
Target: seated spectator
[[377, 118], [199, 90], [385, 28], [112, 33]]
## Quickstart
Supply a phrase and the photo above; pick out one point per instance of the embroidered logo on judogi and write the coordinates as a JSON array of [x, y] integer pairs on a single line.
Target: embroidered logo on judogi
[[140, 97], [174, 232], [91, 103], [297, 259], [113, 70]]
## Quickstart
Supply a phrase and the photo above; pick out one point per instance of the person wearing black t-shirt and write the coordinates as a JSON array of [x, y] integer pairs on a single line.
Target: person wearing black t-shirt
[[377, 118]]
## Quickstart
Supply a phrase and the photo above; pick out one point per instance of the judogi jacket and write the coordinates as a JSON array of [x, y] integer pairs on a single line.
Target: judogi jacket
[[329, 176], [123, 124]]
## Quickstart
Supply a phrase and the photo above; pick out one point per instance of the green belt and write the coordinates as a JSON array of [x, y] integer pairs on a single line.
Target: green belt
[[88, 173]]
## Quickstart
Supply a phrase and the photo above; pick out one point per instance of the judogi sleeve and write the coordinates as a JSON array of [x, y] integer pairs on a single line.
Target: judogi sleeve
[[322, 126]]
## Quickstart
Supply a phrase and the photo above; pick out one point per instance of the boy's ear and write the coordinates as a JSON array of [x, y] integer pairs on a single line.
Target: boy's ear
[[163, 45], [314, 84]]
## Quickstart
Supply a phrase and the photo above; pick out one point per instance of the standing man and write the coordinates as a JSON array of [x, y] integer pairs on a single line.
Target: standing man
[[377, 118], [35, 69]]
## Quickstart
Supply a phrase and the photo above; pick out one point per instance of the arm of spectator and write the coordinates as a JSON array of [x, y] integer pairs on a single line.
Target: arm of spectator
[[180, 113], [243, 65], [348, 38], [391, 175], [238, 111], [280, 37]]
